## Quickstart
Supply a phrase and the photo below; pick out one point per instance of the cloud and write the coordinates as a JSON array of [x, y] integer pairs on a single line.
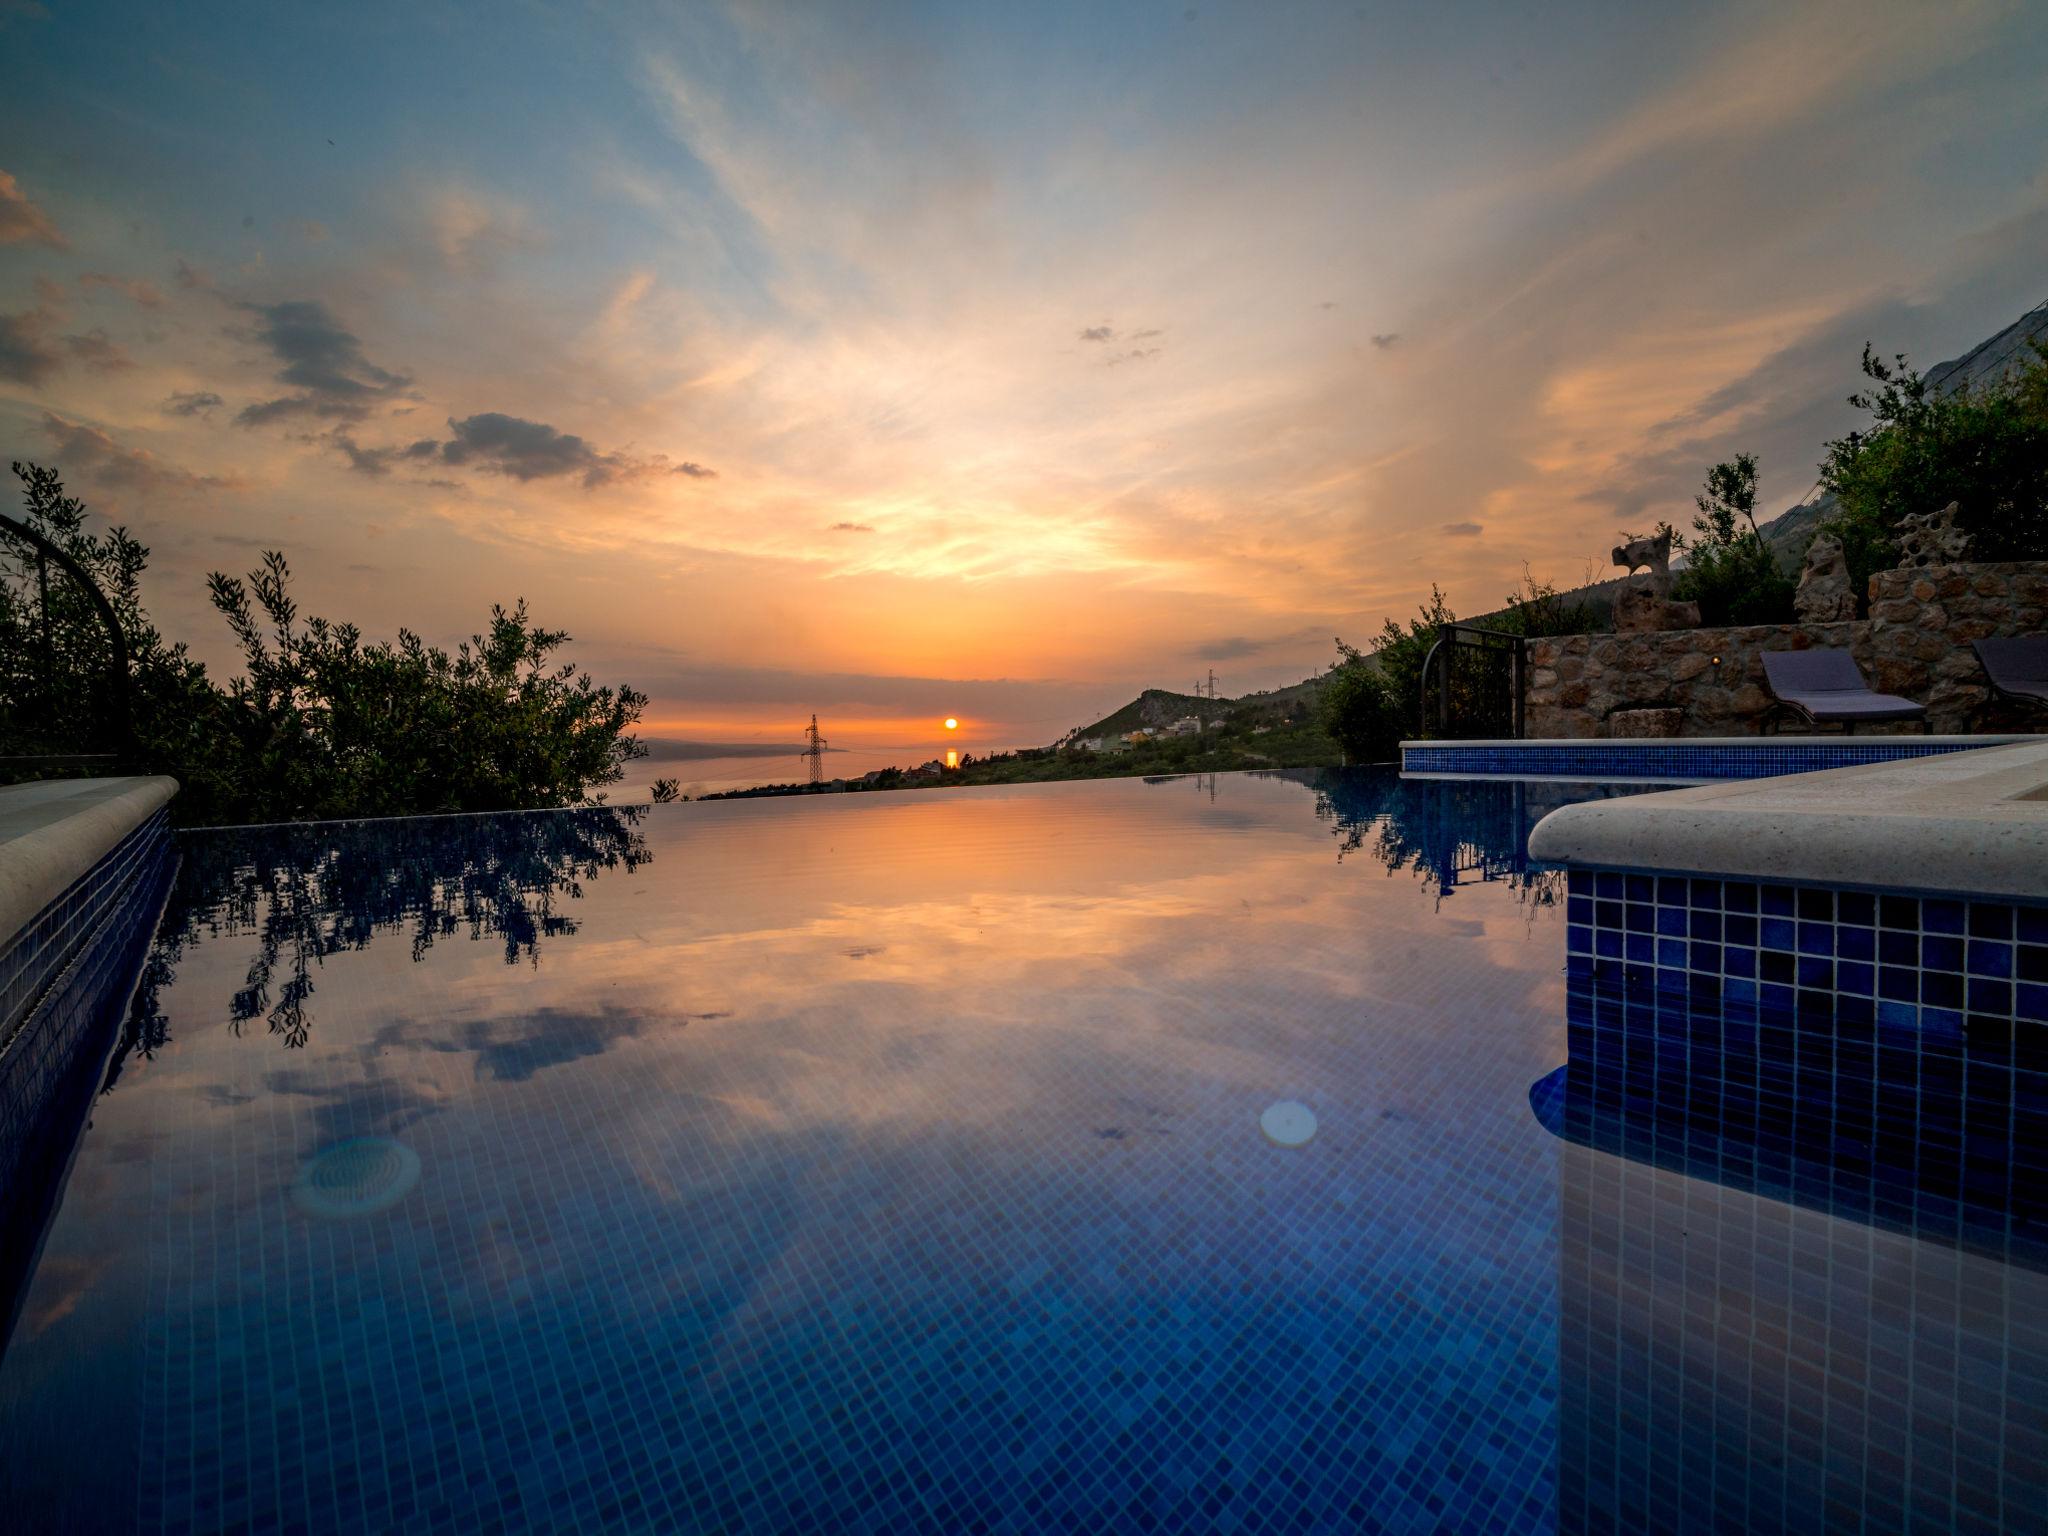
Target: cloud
[[1097, 333], [525, 450], [27, 354], [185, 275], [533, 450], [99, 352], [191, 402], [852, 528], [1386, 339], [146, 294], [1230, 648], [1135, 355], [1240, 647], [378, 461], [86, 453], [1464, 530], [22, 222], [468, 232], [323, 362]]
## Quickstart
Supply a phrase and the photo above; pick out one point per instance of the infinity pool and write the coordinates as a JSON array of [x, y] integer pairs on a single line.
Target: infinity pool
[[1150, 1156]]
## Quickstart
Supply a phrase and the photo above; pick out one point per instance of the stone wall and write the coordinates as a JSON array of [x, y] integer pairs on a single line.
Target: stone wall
[[1921, 626], [1916, 642]]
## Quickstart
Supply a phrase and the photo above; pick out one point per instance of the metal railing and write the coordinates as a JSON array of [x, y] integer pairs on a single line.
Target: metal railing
[[1502, 647], [120, 727]]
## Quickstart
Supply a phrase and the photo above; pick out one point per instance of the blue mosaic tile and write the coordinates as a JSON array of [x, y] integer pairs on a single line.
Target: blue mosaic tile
[[1801, 1262], [71, 971], [1763, 758], [1923, 961], [756, 1192]]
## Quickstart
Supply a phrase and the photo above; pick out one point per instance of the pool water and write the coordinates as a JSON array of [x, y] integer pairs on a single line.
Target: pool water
[[1150, 1156]]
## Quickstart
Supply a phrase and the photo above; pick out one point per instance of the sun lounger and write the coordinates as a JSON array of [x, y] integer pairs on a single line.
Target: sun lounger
[[2017, 667], [1827, 688]]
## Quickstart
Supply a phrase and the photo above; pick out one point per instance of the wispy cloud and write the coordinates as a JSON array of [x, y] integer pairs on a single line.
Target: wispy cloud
[[139, 290], [191, 402], [91, 455], [22, 222], [97, 351]]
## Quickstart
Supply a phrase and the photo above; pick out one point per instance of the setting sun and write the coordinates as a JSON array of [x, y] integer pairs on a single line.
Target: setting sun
[[952, 724]]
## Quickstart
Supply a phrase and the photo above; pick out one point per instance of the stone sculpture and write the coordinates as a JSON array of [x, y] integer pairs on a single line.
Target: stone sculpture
[[1932, 538], [1825, 593], [1652, 552], [1645, 605]]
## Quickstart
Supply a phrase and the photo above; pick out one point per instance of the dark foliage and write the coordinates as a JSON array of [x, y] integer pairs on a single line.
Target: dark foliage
[[1357, 710], [1985, 449], [302, 893], [1729, 570], [323, 724]]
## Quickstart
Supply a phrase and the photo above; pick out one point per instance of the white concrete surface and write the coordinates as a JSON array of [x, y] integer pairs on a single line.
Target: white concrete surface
[[54, 830], [1964, 822], [1625, 743]]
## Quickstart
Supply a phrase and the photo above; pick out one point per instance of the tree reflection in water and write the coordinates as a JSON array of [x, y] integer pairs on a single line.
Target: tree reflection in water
[[309, 891], [1451, 832]]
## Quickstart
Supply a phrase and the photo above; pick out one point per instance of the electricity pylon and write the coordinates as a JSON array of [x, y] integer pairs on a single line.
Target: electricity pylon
[[815, 753]]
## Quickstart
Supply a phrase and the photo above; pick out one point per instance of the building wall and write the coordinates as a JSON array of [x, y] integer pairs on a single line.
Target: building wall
[[1916, 642]]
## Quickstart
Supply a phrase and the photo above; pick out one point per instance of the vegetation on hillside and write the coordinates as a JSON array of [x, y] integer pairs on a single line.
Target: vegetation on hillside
[[1729, 570], [1225, 748], [323, 723], [1371, 700], [1984, 448]]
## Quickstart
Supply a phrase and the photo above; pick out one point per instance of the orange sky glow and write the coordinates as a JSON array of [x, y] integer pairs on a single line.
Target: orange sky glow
[[891, 362]]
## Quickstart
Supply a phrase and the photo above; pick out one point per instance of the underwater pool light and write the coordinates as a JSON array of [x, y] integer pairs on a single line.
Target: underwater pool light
[[356, 1177], [1288, 1124]]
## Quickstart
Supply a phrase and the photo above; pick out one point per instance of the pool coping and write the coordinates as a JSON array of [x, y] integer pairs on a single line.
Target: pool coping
[[1788, 739], [53, 831], [1969, 822]]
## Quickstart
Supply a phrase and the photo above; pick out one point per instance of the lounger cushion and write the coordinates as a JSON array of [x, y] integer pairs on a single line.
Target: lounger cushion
[[1828, 685], [1860, 705]]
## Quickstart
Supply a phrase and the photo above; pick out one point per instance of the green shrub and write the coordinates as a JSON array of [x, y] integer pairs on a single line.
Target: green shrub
[[1985, 449], [1729, 570], [1541, 610], [323, 724], [1359, 712]]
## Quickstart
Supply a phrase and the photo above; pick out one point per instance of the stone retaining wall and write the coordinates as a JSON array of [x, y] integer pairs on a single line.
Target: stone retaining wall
[[1916, 642]]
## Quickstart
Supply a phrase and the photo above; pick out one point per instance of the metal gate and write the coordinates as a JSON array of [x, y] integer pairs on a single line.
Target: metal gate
[[44, 728], [1472, 682]]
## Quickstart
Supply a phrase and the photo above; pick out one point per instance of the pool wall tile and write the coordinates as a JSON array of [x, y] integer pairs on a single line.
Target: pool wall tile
[[67, 978], [1934, 960], [1762, 758]]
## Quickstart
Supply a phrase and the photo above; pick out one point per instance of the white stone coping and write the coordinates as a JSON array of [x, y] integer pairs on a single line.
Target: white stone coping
[[1627, 743], [1973, 823], [54, 830]]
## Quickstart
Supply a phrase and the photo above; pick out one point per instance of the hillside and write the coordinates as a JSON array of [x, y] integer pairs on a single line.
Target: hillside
[[1989, 362], [1157, 708]]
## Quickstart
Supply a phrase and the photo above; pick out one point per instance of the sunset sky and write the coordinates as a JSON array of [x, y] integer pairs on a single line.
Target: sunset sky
[[896, 361]]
